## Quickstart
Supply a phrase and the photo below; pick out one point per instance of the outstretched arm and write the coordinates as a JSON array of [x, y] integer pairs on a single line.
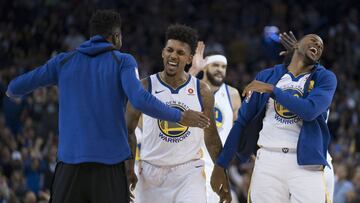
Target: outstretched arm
[[44, 75], [308, 108], [150, 105]]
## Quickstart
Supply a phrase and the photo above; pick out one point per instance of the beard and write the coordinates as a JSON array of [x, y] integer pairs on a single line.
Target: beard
[[213, 81]]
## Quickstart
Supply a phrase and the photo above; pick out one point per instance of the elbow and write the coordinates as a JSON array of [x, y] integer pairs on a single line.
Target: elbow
[[10, 94], [136, 102], [309, 115], [308, 118]]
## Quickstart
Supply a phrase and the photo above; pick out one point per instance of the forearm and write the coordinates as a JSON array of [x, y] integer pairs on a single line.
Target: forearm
[[39, 77], [306, 108], [132, 144], [230, 146], [144, 101], [315, 103], [213, 145]]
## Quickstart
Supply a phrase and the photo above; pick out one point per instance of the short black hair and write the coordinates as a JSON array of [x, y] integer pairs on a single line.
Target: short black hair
[[103, 22], [183, 33]]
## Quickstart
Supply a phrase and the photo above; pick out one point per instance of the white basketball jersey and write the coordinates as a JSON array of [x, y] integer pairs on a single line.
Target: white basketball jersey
[[166, 143], [281, 128], [223, 112]]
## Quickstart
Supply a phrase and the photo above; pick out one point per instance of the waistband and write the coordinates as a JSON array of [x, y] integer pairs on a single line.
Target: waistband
[[284, 150], [178, 166]]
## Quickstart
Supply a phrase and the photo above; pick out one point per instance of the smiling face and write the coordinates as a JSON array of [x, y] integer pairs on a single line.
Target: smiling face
[[215, 73], [311, 46], [176, 54]]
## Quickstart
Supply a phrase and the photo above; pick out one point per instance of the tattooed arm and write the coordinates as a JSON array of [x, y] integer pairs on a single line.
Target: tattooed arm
[[211, 136], [219, 181]]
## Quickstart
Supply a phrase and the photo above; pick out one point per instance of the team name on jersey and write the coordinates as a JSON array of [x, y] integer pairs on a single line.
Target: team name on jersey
[[174, 132]]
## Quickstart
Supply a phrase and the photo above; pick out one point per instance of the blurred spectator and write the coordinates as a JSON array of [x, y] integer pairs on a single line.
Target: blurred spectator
[[30, 197], [342, 185]]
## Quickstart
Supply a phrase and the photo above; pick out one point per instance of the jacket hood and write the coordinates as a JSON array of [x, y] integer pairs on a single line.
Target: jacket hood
[[95, 46]]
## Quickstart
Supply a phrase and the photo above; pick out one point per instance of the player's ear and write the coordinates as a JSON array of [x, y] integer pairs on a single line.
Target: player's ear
[[162, 53]]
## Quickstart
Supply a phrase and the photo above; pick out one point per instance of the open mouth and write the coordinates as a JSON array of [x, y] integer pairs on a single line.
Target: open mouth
[[174, 64], [218, 75], [313, 50]]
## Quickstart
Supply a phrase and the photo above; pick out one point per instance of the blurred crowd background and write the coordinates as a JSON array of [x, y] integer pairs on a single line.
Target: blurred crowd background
[[32, 31]]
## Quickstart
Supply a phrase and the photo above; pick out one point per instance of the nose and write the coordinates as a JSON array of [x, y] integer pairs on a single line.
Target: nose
[[173, 55]]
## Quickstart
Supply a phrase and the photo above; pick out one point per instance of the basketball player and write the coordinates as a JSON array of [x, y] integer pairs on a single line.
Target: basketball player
[[285, 115], [171, 169], [288, 41], [227, 103]]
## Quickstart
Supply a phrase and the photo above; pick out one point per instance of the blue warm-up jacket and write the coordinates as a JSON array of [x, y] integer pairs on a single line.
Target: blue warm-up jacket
[[94, 82], [312, 108]]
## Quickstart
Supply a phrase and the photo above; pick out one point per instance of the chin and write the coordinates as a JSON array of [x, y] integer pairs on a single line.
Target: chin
[[170, 74], [309, 60]]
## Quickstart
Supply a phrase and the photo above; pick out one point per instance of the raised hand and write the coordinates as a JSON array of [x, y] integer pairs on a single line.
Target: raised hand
[[288, 41], [194, 119], [198, 62], [256, 86]]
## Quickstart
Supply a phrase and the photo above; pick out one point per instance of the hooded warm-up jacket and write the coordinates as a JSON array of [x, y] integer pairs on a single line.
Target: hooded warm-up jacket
[[94, 83]]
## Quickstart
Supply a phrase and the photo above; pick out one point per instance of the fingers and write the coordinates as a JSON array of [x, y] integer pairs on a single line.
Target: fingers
[[246, 91], [195, 119], [285, 41], [205, 120], [289, 39], [132, 186], [200, 48], [200, 120], [224, 196], [131, 193], [283, 53], [292, 36]]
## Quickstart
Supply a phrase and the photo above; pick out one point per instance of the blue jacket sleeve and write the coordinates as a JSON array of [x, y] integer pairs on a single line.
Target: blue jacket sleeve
[[246, 112], [42, 76], [317, 102], [140, 98]]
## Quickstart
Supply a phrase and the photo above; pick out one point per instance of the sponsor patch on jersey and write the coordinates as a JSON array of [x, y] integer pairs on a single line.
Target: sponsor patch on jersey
[[283, 115], [190, 91], [173, 132]]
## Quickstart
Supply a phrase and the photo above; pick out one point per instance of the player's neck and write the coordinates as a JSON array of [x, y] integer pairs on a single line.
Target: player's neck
[[174, 81], [213, 88], [297, 65]]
